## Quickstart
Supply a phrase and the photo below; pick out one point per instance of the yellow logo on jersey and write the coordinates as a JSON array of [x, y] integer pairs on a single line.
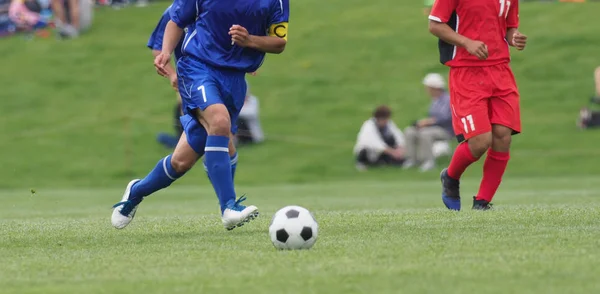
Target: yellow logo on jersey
[[279, 30]]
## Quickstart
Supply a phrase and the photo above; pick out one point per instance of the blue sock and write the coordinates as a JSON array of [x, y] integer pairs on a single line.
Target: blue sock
[[232, 161], [219, 169], [160, 177]]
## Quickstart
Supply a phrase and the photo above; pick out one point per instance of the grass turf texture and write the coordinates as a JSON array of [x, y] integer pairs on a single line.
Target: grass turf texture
[[375, 237], [79, 118]]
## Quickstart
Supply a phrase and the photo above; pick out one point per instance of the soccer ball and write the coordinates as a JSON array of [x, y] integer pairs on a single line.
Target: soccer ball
[[293, 227]]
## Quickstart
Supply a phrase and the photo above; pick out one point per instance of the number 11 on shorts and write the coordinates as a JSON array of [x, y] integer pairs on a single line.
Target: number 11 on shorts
[[468, 124]]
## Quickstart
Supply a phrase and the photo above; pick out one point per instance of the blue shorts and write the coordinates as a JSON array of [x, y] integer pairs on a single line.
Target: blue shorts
[[201, 85]]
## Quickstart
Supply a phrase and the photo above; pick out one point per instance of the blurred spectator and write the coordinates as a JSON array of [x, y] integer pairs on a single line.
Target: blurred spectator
[[72, 17], [437, 126], [379, 141], [29, 15], [588, 117], [249, 129], [7, 27]]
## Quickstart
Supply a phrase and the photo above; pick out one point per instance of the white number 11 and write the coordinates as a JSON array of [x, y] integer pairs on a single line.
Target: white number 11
[[468, 122], [504, 4]]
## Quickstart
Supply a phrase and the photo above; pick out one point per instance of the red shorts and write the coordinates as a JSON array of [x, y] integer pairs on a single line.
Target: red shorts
[[482, 96]]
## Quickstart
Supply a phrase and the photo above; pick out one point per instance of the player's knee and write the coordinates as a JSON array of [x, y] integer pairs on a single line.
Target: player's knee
[[181, 165], [501, 140], [480, 144], [220, 125]]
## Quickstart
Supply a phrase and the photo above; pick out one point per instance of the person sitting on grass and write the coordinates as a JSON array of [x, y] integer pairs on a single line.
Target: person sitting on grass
[[588, 116], [437, 126], [379, 141], [249, 128]]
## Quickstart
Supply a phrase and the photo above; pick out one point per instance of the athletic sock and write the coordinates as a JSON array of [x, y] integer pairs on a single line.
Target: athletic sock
[[219, 169], [160, 177], [493, 170], [461, 159], [232, 161]]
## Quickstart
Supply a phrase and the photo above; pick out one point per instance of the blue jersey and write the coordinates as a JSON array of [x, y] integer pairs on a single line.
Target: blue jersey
[[156, 39], [208, 39]]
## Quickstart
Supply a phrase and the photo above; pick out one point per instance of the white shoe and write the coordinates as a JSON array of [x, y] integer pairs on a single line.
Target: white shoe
[[408, 164], [118, 219], [361, 167], [238, 215], [427, 166]]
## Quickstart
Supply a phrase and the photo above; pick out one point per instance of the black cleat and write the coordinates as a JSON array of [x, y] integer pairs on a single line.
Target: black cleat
[[450, 191], [481, 204]]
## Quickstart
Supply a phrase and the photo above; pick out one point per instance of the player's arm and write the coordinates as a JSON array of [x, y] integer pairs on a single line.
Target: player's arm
[[276, 39], [182, 14], [513, 36], [268, 44], [169, 66], [173, 34], [441, 12]]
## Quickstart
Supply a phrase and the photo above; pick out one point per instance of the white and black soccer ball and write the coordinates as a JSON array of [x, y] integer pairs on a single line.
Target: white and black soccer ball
[[293, 227]]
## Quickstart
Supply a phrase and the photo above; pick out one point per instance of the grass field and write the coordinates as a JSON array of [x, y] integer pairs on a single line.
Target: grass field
[[78, 120], [375, 237]]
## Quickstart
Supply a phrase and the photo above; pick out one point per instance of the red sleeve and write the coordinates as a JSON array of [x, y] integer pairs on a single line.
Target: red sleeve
[[442, 10], [512, 19]]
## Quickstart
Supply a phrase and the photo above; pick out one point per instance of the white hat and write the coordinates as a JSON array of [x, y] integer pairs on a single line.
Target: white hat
[[434, 80]]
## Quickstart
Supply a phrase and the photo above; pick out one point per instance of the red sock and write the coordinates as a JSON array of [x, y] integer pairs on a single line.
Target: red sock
[[461, 159], [493, 169]]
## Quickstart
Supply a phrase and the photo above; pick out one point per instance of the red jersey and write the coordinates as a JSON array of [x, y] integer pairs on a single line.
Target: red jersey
[[481, 20]]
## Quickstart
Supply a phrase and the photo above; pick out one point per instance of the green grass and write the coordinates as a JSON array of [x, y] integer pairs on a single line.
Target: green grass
[[78, 120], [375, 237], [86, 112]]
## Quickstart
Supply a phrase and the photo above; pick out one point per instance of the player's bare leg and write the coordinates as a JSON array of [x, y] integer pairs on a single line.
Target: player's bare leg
[[166, 172], [217, 160], [494, 166], [465, 154]]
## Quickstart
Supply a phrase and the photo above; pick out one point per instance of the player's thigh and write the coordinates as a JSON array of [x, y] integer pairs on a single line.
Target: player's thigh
[[197, 86], [505, 106], [195, 136], [469, 99], [235, 97]]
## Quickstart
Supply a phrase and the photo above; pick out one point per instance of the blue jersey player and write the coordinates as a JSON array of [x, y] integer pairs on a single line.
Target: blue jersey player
[[225, 40]]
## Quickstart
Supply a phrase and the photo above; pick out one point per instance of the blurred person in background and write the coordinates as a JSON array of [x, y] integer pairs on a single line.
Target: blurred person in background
[[379, 141], [589, 116], [72, 17], [249, 128], [29, 15], [436, 127]]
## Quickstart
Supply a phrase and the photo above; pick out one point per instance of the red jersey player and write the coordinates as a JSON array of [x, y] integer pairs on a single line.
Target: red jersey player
[[474, 42]]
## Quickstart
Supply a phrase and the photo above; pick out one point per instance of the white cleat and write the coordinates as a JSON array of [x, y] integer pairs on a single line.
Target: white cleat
[[233, 218], [124, 211]]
